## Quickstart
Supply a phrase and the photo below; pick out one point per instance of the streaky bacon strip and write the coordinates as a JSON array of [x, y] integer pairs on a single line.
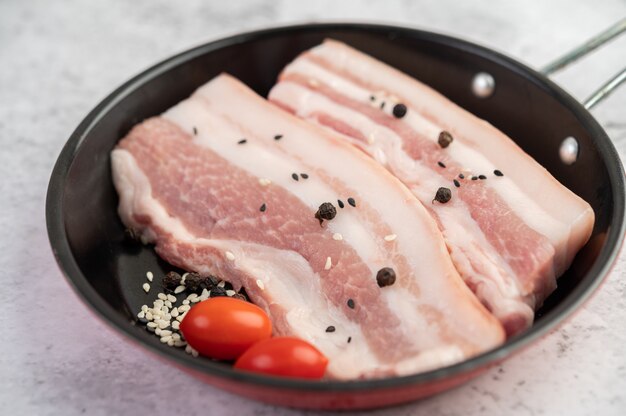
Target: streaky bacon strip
[[197, 197], [506, 240]]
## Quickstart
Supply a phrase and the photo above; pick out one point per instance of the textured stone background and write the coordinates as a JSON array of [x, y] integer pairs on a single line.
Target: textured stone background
[[59, 58]]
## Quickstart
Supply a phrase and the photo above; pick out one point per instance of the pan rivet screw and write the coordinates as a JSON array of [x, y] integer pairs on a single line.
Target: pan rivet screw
[[483, 85], [569, 150]]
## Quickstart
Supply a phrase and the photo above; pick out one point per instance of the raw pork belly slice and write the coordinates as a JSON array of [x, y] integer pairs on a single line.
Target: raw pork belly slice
[[188, 185], [509, 236]]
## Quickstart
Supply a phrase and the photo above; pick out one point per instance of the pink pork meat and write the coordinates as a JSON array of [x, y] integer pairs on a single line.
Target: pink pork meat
[[213, 202], [510, 226]]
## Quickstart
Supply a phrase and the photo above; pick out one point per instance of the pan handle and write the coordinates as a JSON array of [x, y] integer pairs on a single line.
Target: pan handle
[[608, 87]]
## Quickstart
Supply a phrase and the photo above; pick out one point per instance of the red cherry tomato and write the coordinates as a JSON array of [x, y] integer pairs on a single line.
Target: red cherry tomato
[[284, 356], [223, 327]]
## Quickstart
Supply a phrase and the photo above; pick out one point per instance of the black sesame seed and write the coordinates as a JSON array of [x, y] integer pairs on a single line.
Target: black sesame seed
[[445, 138], [399, 110], [461, 176], [195, 131], [349, 339], [474, 178], [385, 277], [330, 329], [278, 137], [326, 211], [372, 98], [352, 202], [456, 183], [340, 203], [295, 176], [142, 321], [441, 164], [443, 195], [150, 329], [382, 105], [498, 173], [304, 176], [263, 208], [242, 141], [350, 303], [482, 177]]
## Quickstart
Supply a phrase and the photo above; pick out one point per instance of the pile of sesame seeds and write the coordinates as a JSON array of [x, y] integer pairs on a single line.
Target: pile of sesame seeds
[[163, 318]]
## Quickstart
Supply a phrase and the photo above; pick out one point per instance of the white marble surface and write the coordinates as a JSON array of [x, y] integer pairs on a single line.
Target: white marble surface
[[59, 58]]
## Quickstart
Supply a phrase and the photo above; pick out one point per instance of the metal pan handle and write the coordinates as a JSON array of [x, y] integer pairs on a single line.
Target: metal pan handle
[[608, 87]]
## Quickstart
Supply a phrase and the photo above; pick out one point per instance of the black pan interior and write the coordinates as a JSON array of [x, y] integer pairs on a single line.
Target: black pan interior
[[108, 270]]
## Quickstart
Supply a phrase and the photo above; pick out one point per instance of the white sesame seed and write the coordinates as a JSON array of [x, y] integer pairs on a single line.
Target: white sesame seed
[[175, 312], [151, 324], [188, 349], [183, 278], [163, 324], [196, 300], [202, 298], [179, 343], [162, 296], [230, 292], [165, 332], [205, 293], [171, 299], [149, 276], [157, 331], [141, 314], [179, 318], [149, 316], [166, 338], [329, 263], [179, 289], [390, 237], [221, 284], [264, 182], [185, 302], [176, 325], [337, 237], [175, 337], [194, 353], [260, 284], [170, 343], [184, 308], [146, 287], [158, 303], [167, 317], [144, 308], [165, 310], [230, 256], [192, 296], [168, 303]]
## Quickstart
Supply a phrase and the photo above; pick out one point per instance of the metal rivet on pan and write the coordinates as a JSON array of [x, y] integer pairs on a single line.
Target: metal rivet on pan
[[483, 85], [569, 150]]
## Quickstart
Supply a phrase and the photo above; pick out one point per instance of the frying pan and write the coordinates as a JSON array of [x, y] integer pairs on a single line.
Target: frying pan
[[107, 271]]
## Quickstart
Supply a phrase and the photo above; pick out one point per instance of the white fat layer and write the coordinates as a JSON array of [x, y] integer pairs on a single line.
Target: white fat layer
[[522, 204], [418, 239], [531, 177], [288, 280]]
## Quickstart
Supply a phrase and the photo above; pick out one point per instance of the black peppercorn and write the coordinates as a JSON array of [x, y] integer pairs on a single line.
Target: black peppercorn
[[385, 277], [171, 281], [445, 138], [399, 110], [326, 211], [443, 195]]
